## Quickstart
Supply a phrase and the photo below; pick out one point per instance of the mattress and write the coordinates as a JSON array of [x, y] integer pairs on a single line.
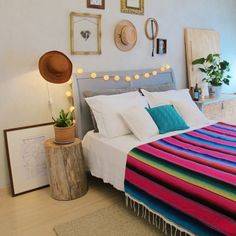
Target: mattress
[[106, 158]]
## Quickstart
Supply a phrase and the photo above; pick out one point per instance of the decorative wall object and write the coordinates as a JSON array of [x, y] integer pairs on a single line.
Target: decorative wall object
[[161, 46], [99, 4], [26, 157], [128, 77], [151, 31], [132, 6], [85, 33], [125, 35]]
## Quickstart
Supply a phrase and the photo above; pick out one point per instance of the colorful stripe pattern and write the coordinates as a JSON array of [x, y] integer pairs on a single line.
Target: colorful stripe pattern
[[189, 178]]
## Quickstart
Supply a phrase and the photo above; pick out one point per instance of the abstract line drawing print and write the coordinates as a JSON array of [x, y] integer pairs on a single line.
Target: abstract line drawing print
[[33, 157]]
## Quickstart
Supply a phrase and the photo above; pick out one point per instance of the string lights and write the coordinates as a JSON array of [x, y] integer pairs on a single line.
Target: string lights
[[127, 77], [107, 77]]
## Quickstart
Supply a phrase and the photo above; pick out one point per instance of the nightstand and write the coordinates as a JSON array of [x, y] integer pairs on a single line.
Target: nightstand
[[221, 109], [66, 170]]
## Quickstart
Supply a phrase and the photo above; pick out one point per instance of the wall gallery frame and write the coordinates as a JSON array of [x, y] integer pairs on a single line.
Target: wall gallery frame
[[161, 46], [98, 4], [85, 33], [26, 157], [132, 6]]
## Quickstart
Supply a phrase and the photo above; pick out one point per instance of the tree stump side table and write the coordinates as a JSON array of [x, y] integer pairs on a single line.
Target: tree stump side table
[[66, 170]]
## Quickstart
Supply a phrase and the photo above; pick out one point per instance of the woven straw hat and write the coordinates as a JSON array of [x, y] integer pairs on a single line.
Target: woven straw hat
[[125, 35], [55, 67]]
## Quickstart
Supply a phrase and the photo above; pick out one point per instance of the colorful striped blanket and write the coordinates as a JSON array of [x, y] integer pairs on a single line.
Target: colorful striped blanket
[[187, 180]]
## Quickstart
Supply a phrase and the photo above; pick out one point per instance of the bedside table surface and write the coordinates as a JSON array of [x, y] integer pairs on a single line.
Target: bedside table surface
[[51, 142], [223, 97]]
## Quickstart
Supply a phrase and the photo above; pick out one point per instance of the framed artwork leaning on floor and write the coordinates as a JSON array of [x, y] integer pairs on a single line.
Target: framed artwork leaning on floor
[[26, 156]]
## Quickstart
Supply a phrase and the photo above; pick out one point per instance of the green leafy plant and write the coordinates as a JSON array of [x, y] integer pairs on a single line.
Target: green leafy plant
[[214, 68], [65, 119]]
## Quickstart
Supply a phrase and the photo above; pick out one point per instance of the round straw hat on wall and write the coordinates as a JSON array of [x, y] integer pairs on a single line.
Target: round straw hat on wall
[[55, 67], [125, 35]]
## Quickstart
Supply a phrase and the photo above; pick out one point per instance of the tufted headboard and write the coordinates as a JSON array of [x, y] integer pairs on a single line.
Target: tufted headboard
[[84, 84]]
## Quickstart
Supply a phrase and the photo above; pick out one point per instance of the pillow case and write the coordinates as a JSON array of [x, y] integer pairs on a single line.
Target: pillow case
[[140, 122], [92, 93], [182, 101], [107, 108], [155, 99], [188, 108], [167, 119]]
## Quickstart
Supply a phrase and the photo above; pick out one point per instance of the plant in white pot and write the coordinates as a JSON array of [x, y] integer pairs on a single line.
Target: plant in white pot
[[64, 128], [215, 69]]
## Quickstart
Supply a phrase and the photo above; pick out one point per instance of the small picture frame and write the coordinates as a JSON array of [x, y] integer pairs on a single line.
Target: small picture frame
[[161, 46], [97, 4], [26, 157], [132, 6], [85, 34]]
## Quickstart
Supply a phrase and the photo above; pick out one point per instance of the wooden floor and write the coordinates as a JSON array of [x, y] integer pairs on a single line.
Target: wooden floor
[[36, 213]]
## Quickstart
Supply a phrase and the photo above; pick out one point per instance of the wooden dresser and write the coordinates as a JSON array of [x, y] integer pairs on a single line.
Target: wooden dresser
[[222, 108]]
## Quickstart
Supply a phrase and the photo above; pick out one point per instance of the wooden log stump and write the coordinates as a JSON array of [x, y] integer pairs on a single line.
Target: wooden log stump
[[66, 170]]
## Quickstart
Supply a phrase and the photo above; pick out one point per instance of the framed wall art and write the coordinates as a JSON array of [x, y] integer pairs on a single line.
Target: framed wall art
[[161, 46], [98, 4], [26, 157], [132, 6], [85, 33]]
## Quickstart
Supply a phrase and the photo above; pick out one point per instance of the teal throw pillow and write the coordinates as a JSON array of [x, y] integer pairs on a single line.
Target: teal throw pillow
[[167, 119]]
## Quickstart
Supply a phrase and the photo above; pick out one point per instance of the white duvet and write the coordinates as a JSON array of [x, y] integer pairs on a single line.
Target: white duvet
[[106, 158]]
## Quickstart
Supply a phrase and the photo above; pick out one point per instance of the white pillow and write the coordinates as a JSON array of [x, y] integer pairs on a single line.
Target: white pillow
[[140, 122], [188, 109], [183, 103], [107, 108], [155, 99]]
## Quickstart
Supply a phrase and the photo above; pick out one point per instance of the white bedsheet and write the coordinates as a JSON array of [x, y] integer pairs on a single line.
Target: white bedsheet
[[106, 158]]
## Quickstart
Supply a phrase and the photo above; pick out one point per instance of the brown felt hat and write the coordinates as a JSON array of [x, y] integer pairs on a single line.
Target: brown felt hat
[[55, 67], [125, 35]]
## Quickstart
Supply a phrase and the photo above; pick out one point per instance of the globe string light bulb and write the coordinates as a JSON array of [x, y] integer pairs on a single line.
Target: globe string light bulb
[[167, 67], [68, 94], [69, 81], [154, 72], [127, 78], [106, 77], [136, 77], [71, 109], [93, 75], [162, 69], [80, 71], [146, 75], [116, 77]]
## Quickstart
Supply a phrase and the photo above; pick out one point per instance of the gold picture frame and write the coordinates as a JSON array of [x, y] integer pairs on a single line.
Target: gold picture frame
[[85, 34], [132, 6]]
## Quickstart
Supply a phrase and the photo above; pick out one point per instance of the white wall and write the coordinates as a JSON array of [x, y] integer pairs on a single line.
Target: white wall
[[29, 28]]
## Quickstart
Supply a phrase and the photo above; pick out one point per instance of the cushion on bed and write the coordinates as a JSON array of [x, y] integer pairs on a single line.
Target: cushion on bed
[[92, 93], [167, 119], [140, 122], [155, 99], [183, 103], [188, 109], [107, 108]]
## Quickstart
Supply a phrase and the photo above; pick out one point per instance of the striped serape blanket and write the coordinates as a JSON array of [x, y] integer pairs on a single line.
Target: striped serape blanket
[[186, 182]]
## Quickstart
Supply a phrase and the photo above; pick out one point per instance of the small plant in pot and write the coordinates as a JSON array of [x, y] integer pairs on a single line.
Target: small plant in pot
[[64, 128], [214, 68]]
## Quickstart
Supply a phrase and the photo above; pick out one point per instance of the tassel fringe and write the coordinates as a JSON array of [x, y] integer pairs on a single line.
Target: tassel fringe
[[156, 219]]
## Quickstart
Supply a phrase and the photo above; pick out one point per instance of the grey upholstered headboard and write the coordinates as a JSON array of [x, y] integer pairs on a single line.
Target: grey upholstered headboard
[[160, 82]]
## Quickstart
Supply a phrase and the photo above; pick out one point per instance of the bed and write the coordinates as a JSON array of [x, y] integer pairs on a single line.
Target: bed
[[113, 160]]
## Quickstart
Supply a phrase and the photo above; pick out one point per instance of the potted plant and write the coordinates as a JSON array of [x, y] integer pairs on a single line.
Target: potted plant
[[214, 68], [64, 128]]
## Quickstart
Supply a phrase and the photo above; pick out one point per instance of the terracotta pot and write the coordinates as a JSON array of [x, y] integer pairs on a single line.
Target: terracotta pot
[[64, 135]]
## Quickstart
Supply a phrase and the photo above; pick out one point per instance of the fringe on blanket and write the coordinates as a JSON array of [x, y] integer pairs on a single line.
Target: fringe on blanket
[[163, 224]]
